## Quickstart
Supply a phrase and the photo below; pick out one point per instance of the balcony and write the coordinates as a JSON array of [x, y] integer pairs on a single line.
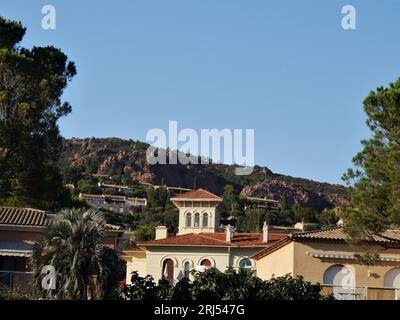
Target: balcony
[[361, 293]]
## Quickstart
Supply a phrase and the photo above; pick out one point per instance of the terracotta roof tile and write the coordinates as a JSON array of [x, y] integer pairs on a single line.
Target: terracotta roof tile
[[199, 194], [215, 239], [23, 217], [339, 234], [333, 234]]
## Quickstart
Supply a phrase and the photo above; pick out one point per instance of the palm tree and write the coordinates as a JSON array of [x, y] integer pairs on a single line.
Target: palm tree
[[74, 246]]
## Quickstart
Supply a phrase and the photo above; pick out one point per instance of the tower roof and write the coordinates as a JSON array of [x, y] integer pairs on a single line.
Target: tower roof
[[199, 194]]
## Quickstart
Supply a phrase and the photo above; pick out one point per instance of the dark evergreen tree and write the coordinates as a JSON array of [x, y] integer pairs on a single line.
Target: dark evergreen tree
[[375, 181], [31, 84]]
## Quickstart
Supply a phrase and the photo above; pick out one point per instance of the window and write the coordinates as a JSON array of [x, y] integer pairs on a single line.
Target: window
[[205, 219], [186, 269], [168, 270], [206, 263], [245, 264], [197, 219], [188, 219], [392, 279], [342, 280]]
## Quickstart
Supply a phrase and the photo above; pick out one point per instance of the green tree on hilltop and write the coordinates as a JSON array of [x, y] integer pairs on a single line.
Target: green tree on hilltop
[[284, 202], [231, 199]]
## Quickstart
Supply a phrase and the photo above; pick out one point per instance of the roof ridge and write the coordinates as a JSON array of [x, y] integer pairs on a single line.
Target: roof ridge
[[211, 238], [317, 231], [169, 237], [193, 192], [209, 192]]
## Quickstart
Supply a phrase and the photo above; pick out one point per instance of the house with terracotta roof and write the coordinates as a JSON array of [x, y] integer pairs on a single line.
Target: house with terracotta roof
[[113, 202], [20, 228], [326, 257], [200, 243]]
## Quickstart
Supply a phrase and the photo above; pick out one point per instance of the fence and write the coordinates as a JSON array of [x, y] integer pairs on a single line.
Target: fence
[[14, 279]]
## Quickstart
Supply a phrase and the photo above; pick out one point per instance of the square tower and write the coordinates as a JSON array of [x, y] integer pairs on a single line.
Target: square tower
[[199, 211]]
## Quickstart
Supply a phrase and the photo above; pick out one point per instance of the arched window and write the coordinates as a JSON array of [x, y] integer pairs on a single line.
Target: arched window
[[186, 269], [342, 280], [392, 279], [205, 219], [245, 264], [188, 219], [197, 219], [168, 270], [206, 263]]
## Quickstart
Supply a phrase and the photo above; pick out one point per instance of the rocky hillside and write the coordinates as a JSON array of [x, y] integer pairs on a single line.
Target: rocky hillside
[[126, 159]]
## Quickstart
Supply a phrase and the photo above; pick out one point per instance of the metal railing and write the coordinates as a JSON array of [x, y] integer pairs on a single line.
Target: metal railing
[[14, 279], [350, 293], [361, 293]]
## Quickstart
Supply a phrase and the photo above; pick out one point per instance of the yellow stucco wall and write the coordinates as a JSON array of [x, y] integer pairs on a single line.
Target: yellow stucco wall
[[135, 261], [313, 269], [276, 264], [294, 258]]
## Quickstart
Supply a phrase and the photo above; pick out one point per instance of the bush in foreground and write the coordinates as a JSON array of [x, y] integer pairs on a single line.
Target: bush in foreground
[[229, 285]]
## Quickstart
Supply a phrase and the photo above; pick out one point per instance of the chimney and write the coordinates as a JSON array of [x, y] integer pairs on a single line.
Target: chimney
[[265, 232], [229, 233], [300, 226], [161, 232]]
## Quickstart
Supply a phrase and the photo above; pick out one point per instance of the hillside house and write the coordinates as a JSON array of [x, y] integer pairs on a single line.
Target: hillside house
[[325, 257], [113, 202], [199, 244], [20, 228]]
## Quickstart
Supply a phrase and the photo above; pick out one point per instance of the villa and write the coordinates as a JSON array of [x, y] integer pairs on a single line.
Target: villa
[[325, 257], [200, 243]]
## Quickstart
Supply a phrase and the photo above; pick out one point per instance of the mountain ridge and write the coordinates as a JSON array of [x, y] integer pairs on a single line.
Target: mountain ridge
[[126, 160]]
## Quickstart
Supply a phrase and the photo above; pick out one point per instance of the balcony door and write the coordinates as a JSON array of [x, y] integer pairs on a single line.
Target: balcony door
[[342, 280], [168, 270], [392, 280]]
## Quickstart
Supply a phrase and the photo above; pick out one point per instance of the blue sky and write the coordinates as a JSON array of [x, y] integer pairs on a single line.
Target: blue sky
[[285, 68]]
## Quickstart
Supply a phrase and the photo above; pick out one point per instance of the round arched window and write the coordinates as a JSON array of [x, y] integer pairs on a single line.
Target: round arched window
[[342, 280], [205, 219], [206, 263], [392, 279], [197, 219], [188, 219], [245, 264], [186, 269], [168, 270]]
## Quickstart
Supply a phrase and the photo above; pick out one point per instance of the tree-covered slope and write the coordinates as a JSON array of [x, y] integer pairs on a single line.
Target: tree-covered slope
[[125, 161]]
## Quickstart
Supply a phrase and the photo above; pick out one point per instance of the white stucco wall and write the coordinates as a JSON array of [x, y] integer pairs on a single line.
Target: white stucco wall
[[220, 257]]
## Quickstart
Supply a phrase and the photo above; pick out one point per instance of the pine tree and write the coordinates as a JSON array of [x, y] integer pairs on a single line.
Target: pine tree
[[375, 183], [284, 203], [31, 84]]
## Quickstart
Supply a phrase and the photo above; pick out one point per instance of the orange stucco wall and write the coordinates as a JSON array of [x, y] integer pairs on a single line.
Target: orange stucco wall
[[313, 269]]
